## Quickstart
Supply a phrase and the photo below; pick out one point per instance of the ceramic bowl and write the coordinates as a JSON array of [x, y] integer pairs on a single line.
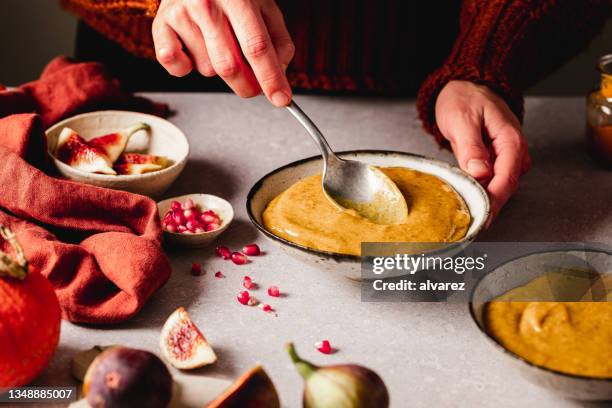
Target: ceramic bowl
[[280, 179], [206, 202], [518, 272], [164, 139]]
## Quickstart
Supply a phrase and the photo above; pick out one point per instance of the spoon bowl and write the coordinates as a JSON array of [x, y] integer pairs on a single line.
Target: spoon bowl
[[354, 185]]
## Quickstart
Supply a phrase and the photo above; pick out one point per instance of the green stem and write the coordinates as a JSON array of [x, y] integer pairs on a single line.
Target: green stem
[[305, 368], [135, 128], [17, 269]]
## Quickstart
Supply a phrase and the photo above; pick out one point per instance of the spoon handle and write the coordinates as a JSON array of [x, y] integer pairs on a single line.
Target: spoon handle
[[312, 129]]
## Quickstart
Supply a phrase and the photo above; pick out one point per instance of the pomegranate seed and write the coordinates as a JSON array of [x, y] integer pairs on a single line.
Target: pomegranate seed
[[196, 269], [253, 301], [219, 275], [168, 216], [170, 228], [175, 205], [239, 259], [248, 282], [182, 229], [223, 252], [251, 250], [211, 227], [188, 205], [199, 230], [244, 297], [190, 215], [267, 308], [191, 226], [178, 218], [274, 291], [209, 216], [323, 346]]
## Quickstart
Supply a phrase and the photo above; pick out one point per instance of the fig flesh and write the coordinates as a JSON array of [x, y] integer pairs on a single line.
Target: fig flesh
[[182, 344], [73, 150], [253, 389], [131, 168], [114, 144], [123, 377]]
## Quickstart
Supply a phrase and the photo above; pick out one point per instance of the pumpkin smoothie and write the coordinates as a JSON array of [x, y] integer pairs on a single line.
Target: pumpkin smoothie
[[303, 215], [571, 337]]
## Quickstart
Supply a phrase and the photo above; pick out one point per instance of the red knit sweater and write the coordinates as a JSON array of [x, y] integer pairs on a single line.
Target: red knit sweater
[[393, 46]]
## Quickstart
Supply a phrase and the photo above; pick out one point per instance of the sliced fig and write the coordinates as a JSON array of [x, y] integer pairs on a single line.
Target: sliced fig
[[139, 158], [73, 150], [125, 377], [114, 144], [130, 168], [182, 344], [253, 389]]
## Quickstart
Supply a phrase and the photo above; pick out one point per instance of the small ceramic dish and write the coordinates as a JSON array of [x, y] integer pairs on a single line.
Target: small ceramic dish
[[280, 179], [205, 202], [516, 273], [163, 139]]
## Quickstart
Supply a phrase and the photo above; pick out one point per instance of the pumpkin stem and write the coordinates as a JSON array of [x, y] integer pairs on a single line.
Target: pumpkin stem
[[17, 269]]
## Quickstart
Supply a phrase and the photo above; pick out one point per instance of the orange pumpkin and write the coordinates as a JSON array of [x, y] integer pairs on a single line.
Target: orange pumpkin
[[30, 318]]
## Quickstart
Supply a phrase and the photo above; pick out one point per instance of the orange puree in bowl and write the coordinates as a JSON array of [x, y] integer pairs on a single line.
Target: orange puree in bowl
[[571, 337], [303, 215]]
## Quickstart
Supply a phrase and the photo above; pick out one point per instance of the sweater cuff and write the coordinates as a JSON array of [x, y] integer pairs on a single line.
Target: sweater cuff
[[428, 94], [143, 7]]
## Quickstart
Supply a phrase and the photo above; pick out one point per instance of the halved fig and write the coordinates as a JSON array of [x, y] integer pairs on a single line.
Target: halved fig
[[114, 144], [139, 158], [253, 389], [73, 150], [182, 344], [130, 168]]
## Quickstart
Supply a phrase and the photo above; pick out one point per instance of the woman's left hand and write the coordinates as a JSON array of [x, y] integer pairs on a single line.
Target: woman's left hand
[[486, 138]]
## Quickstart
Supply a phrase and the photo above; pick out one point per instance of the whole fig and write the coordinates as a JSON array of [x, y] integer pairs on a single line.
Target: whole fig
[[340, 386], [124, 377]]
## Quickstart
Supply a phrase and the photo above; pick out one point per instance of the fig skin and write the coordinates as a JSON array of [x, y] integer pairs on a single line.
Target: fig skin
[[340, 386], [253, 389], [123, 377]]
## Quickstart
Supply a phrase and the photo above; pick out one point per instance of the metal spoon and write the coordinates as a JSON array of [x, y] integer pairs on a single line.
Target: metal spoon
[[354, 185]]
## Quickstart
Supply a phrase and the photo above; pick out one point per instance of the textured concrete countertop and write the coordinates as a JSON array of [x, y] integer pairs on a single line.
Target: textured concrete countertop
[[430, 355]]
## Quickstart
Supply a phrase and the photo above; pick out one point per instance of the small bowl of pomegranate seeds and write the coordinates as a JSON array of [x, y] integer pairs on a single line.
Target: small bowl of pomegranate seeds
[[194, 220]]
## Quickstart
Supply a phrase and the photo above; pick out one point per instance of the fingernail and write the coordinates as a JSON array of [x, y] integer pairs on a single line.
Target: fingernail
[[280, 98], [478, 168]]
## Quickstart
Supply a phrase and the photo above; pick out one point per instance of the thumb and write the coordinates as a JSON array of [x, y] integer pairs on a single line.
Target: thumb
[[465, 136]]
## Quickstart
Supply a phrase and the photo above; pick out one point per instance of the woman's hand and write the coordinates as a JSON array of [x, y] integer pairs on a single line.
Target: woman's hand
[[212, 36], [485, 136]]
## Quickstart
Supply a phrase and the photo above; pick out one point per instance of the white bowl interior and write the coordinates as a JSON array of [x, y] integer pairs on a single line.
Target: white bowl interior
[[163, 139], [473, 194]]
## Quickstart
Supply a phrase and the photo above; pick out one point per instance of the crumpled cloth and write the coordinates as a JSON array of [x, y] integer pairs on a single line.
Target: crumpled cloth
[[99, 248]]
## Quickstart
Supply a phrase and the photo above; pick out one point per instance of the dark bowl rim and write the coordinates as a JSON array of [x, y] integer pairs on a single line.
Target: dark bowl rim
[[356, 258], [499, 346]]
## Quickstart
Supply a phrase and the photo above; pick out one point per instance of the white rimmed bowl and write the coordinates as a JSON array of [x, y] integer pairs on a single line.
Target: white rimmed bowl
[[282, 178], [164, 139], [518, 272], [206, 202]]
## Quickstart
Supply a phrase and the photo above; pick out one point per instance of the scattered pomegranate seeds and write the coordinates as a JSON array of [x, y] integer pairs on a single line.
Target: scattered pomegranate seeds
[[223, 252], [196, 269], [186, 218], [244, 297], [274, 291], [247, 282], [239, 259], [251, 250], [219, 275], [323, 346]]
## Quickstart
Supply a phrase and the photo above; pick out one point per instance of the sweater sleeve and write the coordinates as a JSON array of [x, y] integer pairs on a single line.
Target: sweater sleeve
[[508, 45], [146, 8]]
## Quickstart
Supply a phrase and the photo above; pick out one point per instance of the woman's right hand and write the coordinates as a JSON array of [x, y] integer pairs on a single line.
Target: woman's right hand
[[212, 36]]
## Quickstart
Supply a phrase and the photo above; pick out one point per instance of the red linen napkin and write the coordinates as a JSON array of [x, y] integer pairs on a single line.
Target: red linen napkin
[[100, 248]]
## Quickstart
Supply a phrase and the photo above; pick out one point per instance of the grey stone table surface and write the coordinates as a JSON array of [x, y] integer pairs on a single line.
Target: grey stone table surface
[[430, 355]]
